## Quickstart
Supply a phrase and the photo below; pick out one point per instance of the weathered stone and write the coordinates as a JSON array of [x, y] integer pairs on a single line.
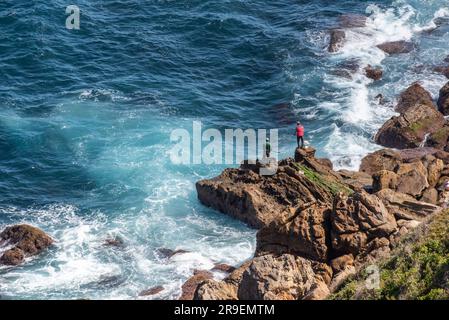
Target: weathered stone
[[190, 286], [397, 47], [412, 178], [434, 170], [303, 233], [341, 277], [356, 180], [410, 128], [430, 195], [358, 219], [25, 241], [405, 206], [443, 100], [319, 291], [384, 159], [412, 96], [340, 263], [284, 277], [385, 180]]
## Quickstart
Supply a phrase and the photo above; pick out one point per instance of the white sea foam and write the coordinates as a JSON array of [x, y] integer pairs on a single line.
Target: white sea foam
[[354, 104]]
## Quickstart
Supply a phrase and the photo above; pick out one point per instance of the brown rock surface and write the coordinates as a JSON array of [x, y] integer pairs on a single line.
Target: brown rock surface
[[397, 47], [269, 277], [374, 73], [385, 179], [191, 285], [414, 95], [412, 178], [384, 159], [409, 129], [406, 207], [443, 100], [358, 219], [25, 240]]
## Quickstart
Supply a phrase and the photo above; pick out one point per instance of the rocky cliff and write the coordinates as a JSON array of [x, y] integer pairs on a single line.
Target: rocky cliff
[[317, 226]]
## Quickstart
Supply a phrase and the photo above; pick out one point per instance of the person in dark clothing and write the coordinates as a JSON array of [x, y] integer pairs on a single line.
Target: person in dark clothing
[[267, 148], [300, 134]]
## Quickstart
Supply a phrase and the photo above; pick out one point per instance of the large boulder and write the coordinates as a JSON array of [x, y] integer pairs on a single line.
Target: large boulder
[[23, 241], [409, 129], [443, 100], [337, 39], [413, 95], [444, 70], [357, 220], [397, 47], [412, 178], [270, 277], [384, 159], [303, 232]]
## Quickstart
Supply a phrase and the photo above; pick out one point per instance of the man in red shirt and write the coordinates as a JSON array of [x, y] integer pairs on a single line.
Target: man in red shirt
[[300, 134]]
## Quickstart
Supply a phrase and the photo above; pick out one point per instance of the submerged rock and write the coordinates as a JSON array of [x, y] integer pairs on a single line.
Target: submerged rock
[[151, 291], [352, 21], [444, 70], [397, 47], [26, 241], [337, 39], [374, 73], [169, 253]]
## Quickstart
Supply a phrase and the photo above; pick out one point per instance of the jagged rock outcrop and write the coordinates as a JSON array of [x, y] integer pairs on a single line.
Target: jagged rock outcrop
[[258, 200], [270, 277], [358, 220], [397, 47], [409, 129], [414, 95], [23, 241], [443, 100], [304, 232], [317, 228]]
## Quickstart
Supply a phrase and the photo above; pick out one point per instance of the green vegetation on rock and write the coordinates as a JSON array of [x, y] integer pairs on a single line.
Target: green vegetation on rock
[[333, 186], [417, 270]]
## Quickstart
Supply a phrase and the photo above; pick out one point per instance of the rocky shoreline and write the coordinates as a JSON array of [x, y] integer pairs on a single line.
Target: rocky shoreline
[[318, 226]]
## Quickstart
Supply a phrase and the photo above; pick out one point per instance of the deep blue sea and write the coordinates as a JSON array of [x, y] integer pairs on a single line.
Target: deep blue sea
[[86, 117]]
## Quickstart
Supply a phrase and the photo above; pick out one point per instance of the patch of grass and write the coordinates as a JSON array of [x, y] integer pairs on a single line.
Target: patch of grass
[[417, 270], [333, 186]]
